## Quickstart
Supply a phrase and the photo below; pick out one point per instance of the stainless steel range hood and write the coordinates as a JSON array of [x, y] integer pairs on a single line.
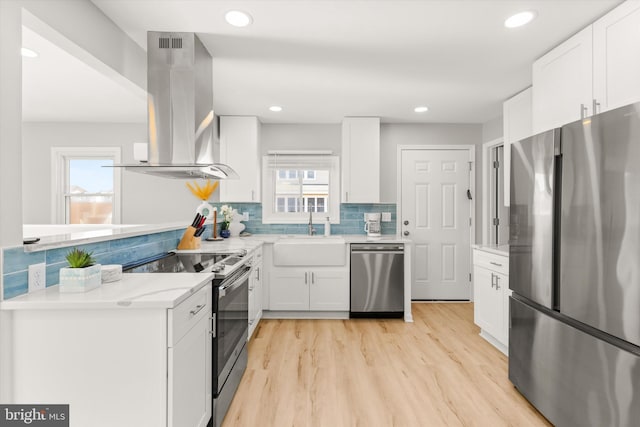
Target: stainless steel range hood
[[183, 130]]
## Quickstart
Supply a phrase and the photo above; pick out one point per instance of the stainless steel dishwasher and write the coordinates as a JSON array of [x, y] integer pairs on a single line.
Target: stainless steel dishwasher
[[377, 280]]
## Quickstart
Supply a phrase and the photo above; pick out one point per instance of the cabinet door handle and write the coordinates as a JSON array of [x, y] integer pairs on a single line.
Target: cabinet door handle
[[596, 106], [305, 277], [497, 283], [495, 263], [493, 283], [253, 195], [258, 273], [213, 325], [197, 309], [583, 111], [346, 196], [313, 278]]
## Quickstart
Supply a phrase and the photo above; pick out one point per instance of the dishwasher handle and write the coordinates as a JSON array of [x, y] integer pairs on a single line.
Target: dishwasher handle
[[394, 249]]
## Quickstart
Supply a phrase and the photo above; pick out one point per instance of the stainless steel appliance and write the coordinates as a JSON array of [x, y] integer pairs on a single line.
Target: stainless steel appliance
[[183, 129], [230, 315], [377, 280], [574, 266], [372, 225]]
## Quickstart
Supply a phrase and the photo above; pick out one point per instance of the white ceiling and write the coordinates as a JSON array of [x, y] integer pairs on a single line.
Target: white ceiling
[[322, 60]]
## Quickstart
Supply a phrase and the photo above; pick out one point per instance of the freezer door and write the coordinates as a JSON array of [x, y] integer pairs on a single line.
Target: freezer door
[[571, 377], [531, 217], [600, 216]]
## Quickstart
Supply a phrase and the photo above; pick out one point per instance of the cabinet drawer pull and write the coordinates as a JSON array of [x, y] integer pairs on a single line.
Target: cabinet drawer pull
[[495, 263], [213, 325], [583, 111], [197, 309]]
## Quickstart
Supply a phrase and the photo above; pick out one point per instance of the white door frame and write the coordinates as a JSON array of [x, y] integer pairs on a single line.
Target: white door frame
[[472, 187], [486, 171]]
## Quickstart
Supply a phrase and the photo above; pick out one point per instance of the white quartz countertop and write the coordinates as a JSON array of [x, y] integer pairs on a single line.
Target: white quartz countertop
[[84, 235], [135, 290], [252, 242], [494, 249]]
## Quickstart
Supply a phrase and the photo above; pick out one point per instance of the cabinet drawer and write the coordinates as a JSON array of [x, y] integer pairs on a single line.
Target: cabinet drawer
[[186, 315], [493, 262]]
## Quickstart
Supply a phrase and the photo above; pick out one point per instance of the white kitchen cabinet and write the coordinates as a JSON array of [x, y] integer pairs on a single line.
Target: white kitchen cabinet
[[491, 297], [616, 57], [122, 366], [516, 126], [562, 83], [240, 149], [255, 291], [305, 289], [594, 71], [360, 160]]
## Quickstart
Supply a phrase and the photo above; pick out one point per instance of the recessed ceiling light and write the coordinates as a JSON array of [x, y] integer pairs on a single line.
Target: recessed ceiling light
[[28, 53], [421, 109], [519, 19], [238, 18], [275, 108]]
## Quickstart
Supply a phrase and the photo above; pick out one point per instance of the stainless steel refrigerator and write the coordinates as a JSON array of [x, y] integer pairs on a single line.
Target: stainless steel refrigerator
[[574, 268]]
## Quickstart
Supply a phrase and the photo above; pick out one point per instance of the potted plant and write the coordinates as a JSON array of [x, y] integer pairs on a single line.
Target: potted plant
[[227, 215], [82, 274]]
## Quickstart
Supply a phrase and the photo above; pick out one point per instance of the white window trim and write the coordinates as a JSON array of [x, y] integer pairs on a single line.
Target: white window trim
[[268, 189], [58, 160]]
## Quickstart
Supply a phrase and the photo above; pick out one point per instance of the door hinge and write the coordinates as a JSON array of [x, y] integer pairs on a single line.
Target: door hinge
[[496, 221], [496, 164]]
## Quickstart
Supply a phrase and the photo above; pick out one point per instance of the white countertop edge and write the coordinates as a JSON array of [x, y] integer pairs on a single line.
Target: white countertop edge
[[502, 250], [85, 237], [134, 291]]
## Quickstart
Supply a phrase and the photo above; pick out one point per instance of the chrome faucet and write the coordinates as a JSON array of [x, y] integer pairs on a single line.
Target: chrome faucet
[[312, 231]]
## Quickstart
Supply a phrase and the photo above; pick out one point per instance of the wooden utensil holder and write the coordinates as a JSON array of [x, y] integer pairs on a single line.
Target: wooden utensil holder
[[188, 241]]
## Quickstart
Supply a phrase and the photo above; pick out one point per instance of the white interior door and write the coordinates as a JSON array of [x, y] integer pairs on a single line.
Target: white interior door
[[436, 215]]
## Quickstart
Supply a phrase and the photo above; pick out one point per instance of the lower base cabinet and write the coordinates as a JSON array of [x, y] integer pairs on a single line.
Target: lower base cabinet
[[255, 294], [491, 297], [142, 367], [309, 289]]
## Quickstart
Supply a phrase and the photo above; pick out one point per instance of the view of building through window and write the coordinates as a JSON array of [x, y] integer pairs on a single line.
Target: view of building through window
[[301, 190], [89, 191]]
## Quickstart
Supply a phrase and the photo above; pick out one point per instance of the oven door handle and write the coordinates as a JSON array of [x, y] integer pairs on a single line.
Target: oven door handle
[[222, 291]]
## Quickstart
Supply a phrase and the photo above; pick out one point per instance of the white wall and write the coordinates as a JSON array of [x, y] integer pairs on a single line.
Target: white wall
[[492, 129], [301, 137], [145, 199]]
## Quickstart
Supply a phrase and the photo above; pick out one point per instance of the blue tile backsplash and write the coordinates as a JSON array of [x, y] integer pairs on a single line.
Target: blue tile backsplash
[[121, 251], [351, 219], [135, 249]]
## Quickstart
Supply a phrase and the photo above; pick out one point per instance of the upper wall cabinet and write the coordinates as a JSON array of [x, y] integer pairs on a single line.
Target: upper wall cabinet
[[240, 149], [616, 57], [361, 160], [516, 113], [594, 71], [562, 81]]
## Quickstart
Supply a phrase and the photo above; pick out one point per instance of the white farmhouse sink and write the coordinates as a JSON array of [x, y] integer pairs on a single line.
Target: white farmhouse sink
[[301, 250]]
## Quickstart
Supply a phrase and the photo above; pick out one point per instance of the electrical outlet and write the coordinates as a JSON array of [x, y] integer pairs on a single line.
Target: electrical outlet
[[245, 216], [386, 216], [37, 276]]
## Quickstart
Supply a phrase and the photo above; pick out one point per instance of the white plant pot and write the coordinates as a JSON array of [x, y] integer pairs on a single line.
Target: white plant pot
[[80, 279]]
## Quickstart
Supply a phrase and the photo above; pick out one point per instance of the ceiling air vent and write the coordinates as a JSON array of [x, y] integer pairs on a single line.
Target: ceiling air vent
[[176, 43], [163, 42]]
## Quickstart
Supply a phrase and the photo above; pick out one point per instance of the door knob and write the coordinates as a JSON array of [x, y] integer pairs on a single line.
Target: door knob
[[406, 233], [406, 222]]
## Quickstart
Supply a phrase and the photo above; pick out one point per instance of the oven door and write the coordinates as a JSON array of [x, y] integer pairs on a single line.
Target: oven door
[[231, 300]]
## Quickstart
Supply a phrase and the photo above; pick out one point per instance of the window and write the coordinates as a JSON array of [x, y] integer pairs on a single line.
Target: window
[[296, 184], [85, 191]]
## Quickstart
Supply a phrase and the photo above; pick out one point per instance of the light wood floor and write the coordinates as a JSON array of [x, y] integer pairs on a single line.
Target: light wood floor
[[436, 371]]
